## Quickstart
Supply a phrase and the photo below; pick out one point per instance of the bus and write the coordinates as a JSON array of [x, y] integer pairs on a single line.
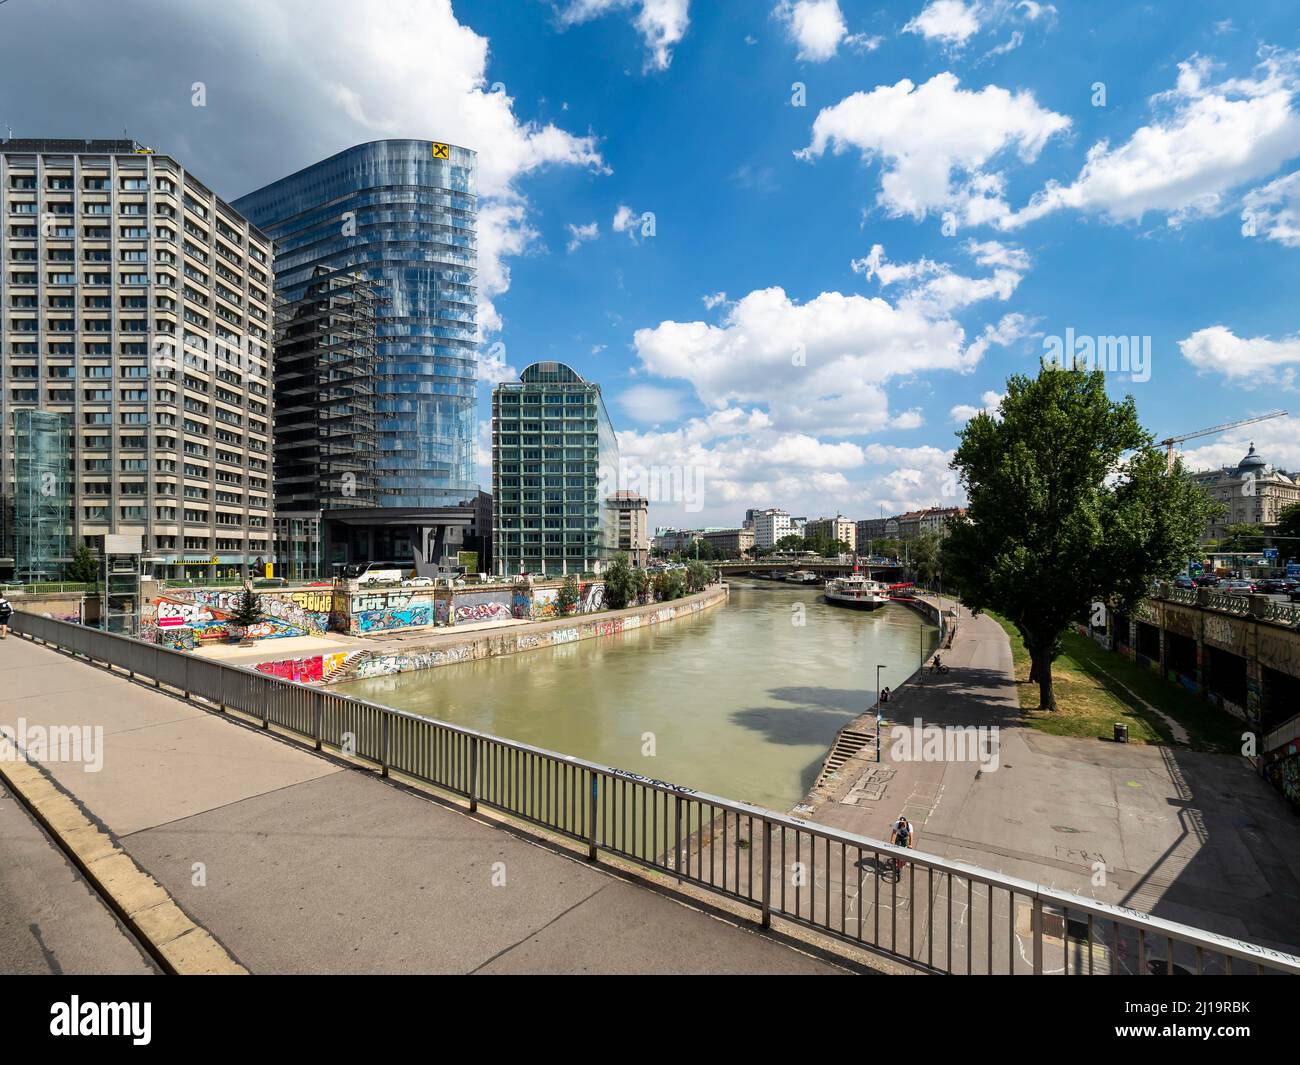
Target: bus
[[375, 572]]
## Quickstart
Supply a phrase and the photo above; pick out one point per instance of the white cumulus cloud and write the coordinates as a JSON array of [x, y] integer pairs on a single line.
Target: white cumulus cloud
[[935, 142], [661, 23], [1205, 139], [1250, 361]]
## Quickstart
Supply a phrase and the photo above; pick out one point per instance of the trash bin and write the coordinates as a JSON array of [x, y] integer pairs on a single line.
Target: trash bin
[[1121, 732]]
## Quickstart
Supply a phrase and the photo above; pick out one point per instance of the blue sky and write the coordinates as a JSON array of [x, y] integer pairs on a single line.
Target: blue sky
[[830, 289]]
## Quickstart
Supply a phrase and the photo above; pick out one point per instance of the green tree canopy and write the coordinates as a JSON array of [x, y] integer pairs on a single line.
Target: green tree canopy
[[567, 598], [620, 584], [247, 610], [84, 567], [1070, 505], [1288, 525], [698, 576], [1243, 537]]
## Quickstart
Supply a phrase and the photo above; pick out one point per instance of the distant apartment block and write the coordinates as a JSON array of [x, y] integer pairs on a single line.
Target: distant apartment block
[[930, 521], [731, 543], [632, 510], [770, 526], [137, 308], [869, 529], [836, 528]]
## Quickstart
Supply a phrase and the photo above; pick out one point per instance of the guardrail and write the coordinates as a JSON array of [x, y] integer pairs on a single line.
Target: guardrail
[[933, 913]]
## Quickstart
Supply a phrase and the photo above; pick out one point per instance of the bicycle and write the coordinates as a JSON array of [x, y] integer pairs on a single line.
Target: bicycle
[[935, 667]]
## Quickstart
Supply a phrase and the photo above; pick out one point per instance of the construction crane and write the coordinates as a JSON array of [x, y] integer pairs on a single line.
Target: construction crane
[[1171, 441]]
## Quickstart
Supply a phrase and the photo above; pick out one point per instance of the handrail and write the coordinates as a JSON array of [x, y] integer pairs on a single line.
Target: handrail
[[676, 831], [1284, 733]]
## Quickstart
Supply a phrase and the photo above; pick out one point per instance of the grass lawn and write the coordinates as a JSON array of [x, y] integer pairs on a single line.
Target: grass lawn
[[1096, 688]]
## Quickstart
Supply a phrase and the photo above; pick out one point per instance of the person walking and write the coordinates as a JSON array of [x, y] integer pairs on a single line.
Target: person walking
[[6, 612]]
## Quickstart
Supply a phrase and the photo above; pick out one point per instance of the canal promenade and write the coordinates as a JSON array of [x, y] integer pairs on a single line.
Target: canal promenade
[[297, 862], [1185, 835]]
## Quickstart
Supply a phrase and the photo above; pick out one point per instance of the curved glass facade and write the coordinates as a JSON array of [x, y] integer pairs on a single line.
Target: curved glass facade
[[402, 214]]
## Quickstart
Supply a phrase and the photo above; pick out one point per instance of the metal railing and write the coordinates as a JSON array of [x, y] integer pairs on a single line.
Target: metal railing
[[933, 913]]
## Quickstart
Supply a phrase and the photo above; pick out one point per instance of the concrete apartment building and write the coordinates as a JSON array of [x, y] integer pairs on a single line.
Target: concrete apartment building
[[869, 529], [137, 338], [632, 509], [731, 543], [927, 522], [770, 526], [1252, 492], [836, 528]]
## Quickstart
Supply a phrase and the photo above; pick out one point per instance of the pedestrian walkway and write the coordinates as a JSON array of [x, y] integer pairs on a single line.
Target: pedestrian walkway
[[1192, 837], [299, 863]]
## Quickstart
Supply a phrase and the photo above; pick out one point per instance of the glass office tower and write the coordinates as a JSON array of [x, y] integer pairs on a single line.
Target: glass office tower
[[402, 215], [553, 448]]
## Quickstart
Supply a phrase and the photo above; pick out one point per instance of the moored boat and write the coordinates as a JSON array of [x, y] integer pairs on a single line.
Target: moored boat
[[857, 592]]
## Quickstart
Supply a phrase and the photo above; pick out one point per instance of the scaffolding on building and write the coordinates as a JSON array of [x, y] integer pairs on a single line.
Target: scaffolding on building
[[326, 428], [42, 502]]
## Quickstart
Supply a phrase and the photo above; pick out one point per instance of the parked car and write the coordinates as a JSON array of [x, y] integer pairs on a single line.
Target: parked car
[[419, 582]]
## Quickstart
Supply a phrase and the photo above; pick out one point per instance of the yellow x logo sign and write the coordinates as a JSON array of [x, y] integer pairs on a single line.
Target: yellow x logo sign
[[441, 151]]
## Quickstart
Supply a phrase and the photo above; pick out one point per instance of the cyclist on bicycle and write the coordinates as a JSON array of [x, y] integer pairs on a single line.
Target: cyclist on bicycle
[[901, 834]]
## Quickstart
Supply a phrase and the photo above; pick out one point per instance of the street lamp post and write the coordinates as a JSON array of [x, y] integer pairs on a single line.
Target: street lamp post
[[878, 714]]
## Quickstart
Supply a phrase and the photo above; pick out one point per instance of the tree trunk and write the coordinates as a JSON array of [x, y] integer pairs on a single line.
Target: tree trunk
[[1033, 668], [1046, 694]]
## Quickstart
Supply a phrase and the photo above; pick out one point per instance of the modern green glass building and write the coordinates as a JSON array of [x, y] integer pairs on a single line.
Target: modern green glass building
[[554, 453]]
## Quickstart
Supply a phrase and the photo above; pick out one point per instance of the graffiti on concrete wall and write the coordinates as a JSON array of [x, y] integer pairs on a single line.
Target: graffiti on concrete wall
[[206, 613], [1226, 633], [546, 603], [309, 670], [473, 607], [386, 611], [521, 604], [1279, 650]]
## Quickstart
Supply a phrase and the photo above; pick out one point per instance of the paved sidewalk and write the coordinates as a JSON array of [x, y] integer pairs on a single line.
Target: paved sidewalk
[[50, 920], [1188, 836], [297, 864]]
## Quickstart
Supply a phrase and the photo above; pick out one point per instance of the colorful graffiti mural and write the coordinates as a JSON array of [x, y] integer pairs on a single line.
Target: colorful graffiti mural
[[309, 670], [204, 614], [473, 607]]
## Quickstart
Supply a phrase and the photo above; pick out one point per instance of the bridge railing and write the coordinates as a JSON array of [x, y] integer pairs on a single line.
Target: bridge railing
[[932, 913]]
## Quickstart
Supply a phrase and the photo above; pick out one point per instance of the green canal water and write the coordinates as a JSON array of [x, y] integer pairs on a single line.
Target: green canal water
[[741, 701]]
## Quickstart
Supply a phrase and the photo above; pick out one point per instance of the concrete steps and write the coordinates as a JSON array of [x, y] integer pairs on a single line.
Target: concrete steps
[[848, 743]]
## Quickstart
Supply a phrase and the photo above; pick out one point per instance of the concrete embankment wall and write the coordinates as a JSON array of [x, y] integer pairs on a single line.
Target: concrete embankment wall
[[492, 643]]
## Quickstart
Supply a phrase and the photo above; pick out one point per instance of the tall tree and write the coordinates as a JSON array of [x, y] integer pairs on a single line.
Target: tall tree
[[1288, 531], [620, 584], [1070, 505]]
